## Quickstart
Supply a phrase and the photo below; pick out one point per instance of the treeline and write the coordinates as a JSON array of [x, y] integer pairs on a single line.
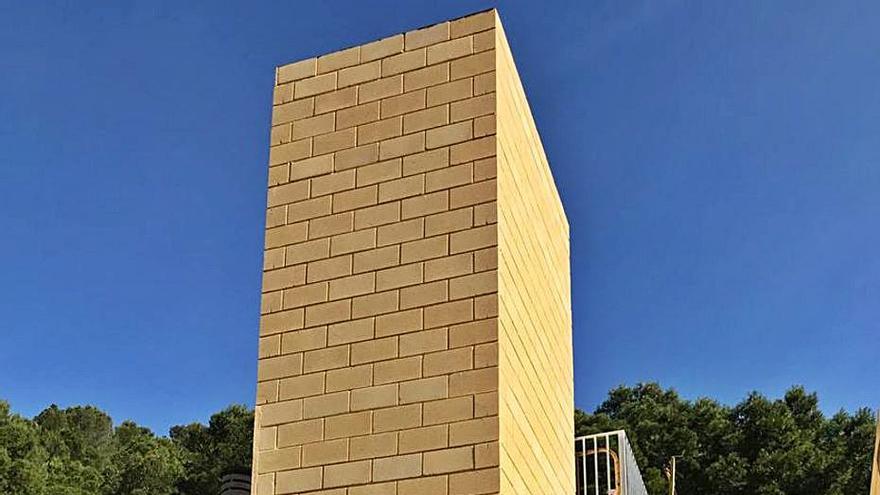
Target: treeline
[[759, 446], [78, 451]]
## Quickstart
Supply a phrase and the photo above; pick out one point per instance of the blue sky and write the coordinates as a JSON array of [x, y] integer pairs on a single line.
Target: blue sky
[[719, 163]]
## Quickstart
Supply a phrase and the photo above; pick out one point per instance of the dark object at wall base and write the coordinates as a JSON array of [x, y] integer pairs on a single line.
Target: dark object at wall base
[[235, 484]]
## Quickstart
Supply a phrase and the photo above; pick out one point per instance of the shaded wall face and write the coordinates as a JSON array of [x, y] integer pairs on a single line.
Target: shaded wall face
[[536, 381], [378, 369]]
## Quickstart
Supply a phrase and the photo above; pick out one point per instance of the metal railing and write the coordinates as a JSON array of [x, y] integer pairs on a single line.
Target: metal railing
[[605, 465]]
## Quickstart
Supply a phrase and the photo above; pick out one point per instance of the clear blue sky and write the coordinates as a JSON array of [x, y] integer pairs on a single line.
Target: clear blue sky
[[719, 164]]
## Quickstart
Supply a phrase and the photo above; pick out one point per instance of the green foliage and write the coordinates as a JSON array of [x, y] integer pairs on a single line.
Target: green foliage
[[22, 457], [78, 443], [77, 451], [758, 446], [143, 464], [224, 446]]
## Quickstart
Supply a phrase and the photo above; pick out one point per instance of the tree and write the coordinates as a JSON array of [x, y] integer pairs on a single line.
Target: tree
[[22, 458], [758, 446], [223, 446], [78, 442], [143, 464]]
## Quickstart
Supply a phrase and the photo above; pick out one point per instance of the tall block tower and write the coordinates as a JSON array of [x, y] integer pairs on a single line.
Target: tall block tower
[[415, 336]]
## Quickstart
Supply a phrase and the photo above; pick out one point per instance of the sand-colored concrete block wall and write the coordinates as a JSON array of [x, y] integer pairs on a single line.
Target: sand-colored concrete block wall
[[535, 364], [379, 335]]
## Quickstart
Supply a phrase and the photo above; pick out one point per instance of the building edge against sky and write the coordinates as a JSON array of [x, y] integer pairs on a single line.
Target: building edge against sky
[[415, 332], [536, 389]]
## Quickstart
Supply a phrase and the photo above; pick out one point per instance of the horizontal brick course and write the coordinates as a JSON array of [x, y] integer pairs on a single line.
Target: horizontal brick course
[[297, 70], [314, 85], [349, 378], [382, 48], [372, 446], [300, 432], [359, 74]]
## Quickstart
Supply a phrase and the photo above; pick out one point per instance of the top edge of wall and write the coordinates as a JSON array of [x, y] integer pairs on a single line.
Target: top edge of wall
[[419, 28]]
